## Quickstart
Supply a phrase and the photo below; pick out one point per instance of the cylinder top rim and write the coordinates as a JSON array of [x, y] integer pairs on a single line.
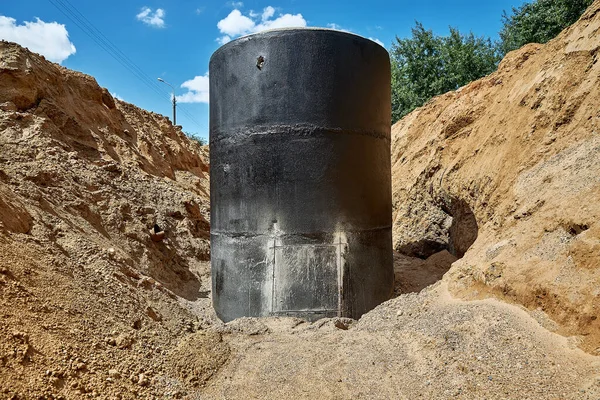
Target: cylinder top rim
[[292, 29]]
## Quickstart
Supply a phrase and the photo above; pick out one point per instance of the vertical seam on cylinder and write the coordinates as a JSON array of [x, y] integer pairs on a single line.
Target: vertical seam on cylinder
[[339, 276], [273, 284]]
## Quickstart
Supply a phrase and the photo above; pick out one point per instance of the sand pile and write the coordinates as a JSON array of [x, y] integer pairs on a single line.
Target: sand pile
[[505, 174]]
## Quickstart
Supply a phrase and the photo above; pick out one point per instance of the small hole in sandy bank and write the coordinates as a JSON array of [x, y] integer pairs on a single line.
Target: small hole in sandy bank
[[576, 229], [137, 324], [423, 262], [260, 62]]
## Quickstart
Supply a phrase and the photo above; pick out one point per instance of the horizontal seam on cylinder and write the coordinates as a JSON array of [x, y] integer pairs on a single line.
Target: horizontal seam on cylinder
[[297, 130], [270, 234]]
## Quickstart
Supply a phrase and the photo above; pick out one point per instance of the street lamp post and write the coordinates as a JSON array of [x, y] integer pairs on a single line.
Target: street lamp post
[[174, 100]]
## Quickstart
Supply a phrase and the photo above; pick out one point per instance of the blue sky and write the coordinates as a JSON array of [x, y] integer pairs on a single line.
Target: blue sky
[[174, 39]]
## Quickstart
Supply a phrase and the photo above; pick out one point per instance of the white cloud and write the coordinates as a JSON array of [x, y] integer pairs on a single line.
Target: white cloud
[[283, 21], [379, 42], [116, 96], [50, 39], [268, 12], [152, 18], [236, 4], [197, 90], [235, 24], [238, 24]]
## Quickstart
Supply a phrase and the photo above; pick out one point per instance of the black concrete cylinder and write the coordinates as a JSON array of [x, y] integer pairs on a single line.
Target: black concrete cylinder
[[300, 180]]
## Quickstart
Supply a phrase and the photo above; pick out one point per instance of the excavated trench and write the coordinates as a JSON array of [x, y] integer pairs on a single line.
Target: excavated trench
[[423, 262], [456, 230], [463, 230]]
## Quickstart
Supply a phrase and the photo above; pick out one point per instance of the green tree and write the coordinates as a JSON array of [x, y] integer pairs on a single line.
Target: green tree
[[538, 21], [196, 138], [427, 65]]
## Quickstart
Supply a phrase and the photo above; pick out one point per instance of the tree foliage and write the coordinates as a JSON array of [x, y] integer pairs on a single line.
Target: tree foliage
[[427, 65], [538, 21], [196, 138]]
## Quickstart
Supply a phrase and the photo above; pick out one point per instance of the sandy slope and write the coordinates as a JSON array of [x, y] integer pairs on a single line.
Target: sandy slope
[[507, 169], [83, 288], [425, 345]]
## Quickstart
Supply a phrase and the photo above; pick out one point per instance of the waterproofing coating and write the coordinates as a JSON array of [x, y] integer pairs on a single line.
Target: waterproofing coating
[[300, 179]]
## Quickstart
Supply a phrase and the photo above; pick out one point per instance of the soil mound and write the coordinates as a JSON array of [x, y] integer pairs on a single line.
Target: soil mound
[[504, 173], [89, 303]]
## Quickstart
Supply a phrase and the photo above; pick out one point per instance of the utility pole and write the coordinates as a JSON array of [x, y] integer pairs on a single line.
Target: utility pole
[[173, 98]]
